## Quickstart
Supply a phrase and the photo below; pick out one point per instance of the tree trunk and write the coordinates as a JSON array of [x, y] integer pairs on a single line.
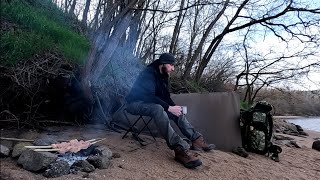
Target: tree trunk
[[72, 8], [176, 30], [202, 41], [95, 19], [135, 29], [193, 36], [215, 43], [66, 6], [85, 12], [106, 48]]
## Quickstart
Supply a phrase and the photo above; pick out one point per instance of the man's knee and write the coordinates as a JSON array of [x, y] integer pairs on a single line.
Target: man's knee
[[156, 109]]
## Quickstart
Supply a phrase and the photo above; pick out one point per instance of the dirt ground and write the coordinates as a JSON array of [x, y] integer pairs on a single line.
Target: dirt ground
[[155, 161]]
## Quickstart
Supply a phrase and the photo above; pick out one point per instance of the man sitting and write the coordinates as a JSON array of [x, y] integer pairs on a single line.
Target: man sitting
[[150, 96]]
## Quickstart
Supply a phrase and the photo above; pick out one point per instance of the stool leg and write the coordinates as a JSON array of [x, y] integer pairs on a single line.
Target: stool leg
[[131, 127], [146, 126]]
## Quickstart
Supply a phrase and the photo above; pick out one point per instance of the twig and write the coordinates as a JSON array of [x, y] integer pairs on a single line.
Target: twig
[[34, 147], [98, 141], [16, 139], [45, 150], [57, 122], [8, 120]]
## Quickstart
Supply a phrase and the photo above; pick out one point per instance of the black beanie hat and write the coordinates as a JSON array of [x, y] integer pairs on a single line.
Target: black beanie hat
[[166, 58]]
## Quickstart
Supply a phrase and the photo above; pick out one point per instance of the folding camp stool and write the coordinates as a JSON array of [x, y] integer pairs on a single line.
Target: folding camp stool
[[135, 131]]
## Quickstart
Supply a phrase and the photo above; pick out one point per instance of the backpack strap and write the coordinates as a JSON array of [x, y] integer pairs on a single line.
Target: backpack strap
[[245, 123], [275, 150]]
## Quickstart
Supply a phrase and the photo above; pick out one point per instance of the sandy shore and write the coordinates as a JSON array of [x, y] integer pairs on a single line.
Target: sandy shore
[[289, 117], [155, 161]]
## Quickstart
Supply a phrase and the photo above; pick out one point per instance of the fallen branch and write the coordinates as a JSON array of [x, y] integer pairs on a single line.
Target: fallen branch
[[16, 139]]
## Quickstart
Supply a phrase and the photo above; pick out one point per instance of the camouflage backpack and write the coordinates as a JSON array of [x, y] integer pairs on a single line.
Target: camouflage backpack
[[256, 129]]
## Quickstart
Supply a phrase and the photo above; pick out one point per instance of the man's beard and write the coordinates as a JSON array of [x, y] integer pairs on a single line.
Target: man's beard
[[165, 73]]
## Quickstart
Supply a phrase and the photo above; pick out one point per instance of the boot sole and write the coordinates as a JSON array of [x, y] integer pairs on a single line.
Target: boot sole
[[190, 165], [202, 149]]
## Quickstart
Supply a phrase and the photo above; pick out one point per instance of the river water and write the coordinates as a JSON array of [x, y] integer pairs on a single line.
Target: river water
[[312, 123]]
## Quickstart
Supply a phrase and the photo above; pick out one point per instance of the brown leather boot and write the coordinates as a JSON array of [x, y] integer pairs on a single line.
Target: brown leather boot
[[200, 145], [189, 160]]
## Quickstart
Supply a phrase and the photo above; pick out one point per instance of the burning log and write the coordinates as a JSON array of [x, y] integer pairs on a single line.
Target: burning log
[[72, 146]]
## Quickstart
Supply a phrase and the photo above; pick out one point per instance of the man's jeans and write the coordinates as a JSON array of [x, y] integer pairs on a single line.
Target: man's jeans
[[162, 120]]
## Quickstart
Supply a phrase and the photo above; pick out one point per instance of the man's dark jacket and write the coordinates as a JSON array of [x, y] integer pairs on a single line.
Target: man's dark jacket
[[151, 87]]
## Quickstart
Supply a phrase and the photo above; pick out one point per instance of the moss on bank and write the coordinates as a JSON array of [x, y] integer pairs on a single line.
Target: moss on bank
[[39, 28]]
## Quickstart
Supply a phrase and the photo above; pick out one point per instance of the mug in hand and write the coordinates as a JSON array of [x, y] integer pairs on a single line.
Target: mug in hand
[[184, 109]]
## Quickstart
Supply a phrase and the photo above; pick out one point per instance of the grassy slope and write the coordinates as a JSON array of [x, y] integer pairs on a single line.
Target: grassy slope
[[40, 28]]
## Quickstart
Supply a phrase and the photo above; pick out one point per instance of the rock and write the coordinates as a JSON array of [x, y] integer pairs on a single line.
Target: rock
[[83, 165], [88, 151], [285, 127], [31, 134], [240, 151], [19, 148], [100, 162], [116, 155], [35, 161], [86, 175], [299, 128], [45, 141], [316, 145], [281, 137], [57, 169], [4, 151], [288, 143], [294, 143], [303, 133], [292, 133], [8, 144], [103, 151]]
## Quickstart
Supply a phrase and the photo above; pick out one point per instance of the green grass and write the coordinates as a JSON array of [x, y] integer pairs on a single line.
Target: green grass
[[38, 31], [244, 105], [19, 45]]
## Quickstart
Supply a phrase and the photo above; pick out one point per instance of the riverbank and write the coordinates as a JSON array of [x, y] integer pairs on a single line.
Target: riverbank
[[308, 123], [288, 117], [156, 161]]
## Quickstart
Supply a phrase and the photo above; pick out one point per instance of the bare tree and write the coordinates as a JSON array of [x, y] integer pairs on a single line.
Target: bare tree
[[72, 8], [85, 12], [113, 27], [202, 41], [260, 71], [176, 30], [270, 17], [201, 31]]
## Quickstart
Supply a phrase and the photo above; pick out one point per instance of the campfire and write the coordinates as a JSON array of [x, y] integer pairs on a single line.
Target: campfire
[[62, 158]]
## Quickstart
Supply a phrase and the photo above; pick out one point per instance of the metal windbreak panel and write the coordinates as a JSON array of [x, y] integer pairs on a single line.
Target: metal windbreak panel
[[215, 115]]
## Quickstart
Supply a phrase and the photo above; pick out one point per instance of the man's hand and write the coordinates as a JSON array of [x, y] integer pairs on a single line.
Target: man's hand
[[176, 110]]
